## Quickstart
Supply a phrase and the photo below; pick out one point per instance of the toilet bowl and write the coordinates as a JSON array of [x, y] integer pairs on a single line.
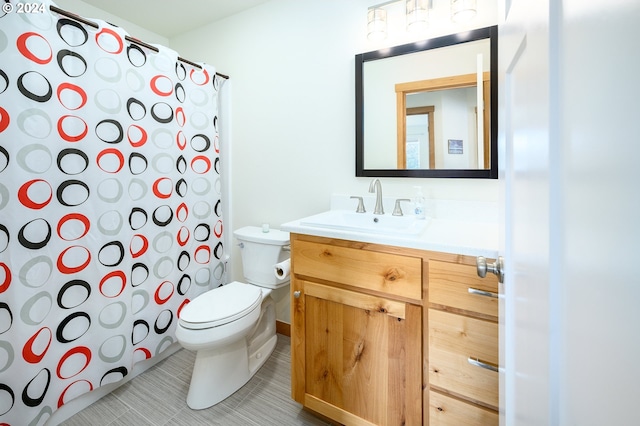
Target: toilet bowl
[[232, 327]]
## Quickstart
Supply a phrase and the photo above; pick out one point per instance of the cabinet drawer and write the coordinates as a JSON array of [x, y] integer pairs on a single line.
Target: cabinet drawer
[[383, 272], [453, 341], [447, 411], [450, 284]]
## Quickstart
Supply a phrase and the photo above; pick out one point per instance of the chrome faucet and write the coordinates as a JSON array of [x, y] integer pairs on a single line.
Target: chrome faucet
[[376, 186]]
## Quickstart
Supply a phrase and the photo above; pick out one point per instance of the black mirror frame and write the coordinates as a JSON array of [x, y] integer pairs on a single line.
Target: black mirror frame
[[479, 34]]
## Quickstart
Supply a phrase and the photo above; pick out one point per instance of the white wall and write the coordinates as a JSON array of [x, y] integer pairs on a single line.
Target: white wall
[[88, 11], [291, 64]]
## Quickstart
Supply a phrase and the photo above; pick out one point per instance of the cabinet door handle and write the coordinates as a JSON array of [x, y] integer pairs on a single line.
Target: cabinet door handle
[[296, 294], [485, 365], [482, 293]]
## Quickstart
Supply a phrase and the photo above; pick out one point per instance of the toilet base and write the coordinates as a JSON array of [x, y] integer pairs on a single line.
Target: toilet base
[[259, 357], [217, 374], [220, 371]]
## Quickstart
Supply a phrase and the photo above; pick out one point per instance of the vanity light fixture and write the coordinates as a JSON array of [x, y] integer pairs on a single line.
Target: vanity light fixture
[[463, 10], [417, 15], [376, 24]]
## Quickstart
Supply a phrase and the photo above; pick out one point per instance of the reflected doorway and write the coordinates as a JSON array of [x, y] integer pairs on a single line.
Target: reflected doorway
[[456, 99], [419, 150]]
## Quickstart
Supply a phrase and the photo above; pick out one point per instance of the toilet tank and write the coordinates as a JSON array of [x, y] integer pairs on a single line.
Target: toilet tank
[[260, 252]]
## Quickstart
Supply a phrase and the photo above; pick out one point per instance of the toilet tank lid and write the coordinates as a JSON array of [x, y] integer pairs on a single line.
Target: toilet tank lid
[[255, 234]]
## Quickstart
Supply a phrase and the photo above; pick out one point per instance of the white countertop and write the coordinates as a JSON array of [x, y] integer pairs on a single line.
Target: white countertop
[[453, 233]]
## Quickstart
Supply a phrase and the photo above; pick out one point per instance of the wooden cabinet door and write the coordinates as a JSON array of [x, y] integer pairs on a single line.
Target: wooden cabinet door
[[357, 358]]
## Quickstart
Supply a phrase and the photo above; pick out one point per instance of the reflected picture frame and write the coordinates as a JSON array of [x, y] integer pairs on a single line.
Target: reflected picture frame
[[455, 146]]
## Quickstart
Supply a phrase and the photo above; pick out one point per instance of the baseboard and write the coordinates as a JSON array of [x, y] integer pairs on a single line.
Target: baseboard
[[283, 328]]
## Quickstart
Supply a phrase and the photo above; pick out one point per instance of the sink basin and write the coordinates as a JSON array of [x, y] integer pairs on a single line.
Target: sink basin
[[366, 222]]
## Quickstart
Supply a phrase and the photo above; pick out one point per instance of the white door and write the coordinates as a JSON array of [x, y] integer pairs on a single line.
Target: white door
[[570, 142], [524, 82]]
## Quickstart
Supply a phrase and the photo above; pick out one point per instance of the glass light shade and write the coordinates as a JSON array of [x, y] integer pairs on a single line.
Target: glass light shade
[[463, 10], [417, 15], [376, 24]]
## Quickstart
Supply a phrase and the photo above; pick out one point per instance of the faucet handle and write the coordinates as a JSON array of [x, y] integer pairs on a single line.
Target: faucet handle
[[397, 211], [360, 208]]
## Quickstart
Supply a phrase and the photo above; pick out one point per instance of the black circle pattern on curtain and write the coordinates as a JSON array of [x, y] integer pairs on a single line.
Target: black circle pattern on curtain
[[109, 206]]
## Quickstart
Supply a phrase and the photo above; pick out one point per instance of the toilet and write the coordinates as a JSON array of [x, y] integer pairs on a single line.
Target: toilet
[[233, 327]]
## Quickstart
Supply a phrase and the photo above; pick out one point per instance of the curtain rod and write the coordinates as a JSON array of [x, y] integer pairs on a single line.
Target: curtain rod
[[128, 38]]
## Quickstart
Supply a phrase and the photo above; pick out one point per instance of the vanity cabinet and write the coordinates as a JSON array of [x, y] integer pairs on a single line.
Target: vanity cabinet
[[463, 345], [361, 335], [356, 336]]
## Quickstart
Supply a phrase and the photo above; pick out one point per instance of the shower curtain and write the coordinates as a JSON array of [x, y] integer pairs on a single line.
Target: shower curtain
[[110, 209]]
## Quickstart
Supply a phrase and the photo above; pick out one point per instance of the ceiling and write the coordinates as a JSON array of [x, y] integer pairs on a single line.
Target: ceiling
[[169, 18]]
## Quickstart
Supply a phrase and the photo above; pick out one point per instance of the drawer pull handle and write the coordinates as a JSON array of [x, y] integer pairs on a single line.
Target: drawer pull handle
[[296, 294], [485, 365], [482, 293]]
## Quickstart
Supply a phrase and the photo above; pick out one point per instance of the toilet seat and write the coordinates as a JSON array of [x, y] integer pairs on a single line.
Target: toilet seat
[[220, 306]]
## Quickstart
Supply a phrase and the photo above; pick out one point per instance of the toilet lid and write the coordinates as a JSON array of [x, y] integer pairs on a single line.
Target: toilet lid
[[220, 306]]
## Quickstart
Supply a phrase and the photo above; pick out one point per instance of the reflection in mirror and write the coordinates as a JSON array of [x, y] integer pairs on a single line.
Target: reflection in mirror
[[416, 145], [428, 109], [431, 113]]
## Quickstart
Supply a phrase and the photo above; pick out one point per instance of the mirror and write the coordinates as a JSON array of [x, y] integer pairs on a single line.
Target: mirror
[[417, 111]]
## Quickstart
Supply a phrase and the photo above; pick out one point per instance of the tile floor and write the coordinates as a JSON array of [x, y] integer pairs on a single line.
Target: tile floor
[[158, 398]]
